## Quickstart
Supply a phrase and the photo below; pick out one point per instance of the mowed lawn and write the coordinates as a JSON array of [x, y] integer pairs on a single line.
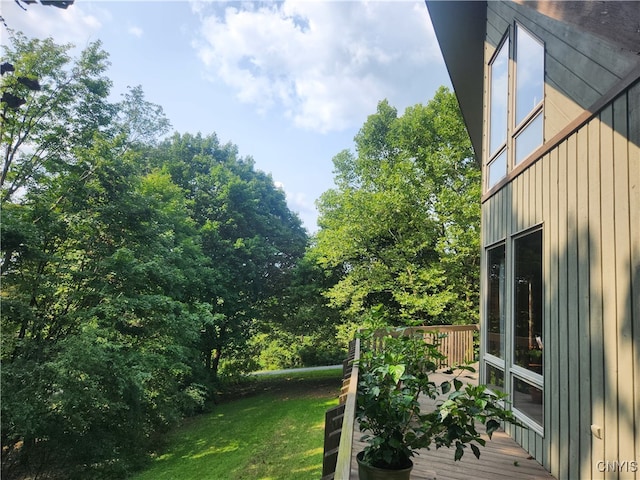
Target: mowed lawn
[[276, 434]]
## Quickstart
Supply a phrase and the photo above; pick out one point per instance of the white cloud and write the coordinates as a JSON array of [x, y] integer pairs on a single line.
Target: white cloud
[[326, 64], [136, 31], [77, 24], [300, 203]]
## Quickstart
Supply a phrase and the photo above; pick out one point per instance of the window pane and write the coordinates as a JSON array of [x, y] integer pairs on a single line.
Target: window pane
[[499, 97], [496, 296], [528, 399], [494, 378], [528, 334], [529, 139], [497, 168], [529, 73]]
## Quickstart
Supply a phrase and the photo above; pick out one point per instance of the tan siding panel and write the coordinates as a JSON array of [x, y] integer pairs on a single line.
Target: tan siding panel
[[571, 254], [583, 282], [610, 326], [634, 211], [626, 407], [552, 374], [526, 198], [539, 196], [486, 223], [558, 110], [596, 331], [558, 75], [498, 18], [563, 357], [519, 205], [546, 272]]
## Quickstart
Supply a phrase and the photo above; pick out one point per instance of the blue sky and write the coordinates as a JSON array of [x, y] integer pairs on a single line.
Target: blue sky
[[289, 82]]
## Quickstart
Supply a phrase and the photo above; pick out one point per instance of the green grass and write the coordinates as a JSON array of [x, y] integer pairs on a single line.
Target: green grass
[[277, 434]]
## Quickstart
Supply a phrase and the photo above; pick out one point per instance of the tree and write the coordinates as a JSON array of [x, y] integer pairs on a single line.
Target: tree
[[249, 236], [66, 110], [402, 222], [129, 267], [101, 266]]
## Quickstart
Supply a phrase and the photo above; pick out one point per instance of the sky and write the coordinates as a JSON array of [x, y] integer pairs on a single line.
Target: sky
[[290, 82]]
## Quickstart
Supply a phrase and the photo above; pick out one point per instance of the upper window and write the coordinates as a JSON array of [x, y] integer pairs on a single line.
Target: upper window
[[516, 128], [529, 67], [499, 99], [529, 74]]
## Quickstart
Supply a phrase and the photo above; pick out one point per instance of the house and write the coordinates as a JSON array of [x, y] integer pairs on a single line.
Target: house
[[550, 92]]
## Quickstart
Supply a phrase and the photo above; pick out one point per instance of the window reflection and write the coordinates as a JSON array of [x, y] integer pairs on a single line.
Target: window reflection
[[496, 295], [528, 334], [529, 74], [494, 378], [528, 399], [529, 139], [497, 168], [499, 98]]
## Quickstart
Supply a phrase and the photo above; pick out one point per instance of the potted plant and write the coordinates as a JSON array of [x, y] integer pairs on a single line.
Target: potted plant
[[393, 376]]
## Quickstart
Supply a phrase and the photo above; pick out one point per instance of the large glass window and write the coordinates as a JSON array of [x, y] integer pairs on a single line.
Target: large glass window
[[529, 61], [514, 133], [528, 338], [514, 333], [499, 97], [496, 298], [497, 168], [529, 74]]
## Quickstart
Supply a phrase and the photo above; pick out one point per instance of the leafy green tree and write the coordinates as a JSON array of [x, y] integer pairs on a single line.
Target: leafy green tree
[[299, 321], [402, 223], [99, 310], [101, 269], [69, 106], [129, 267], [250, 237]]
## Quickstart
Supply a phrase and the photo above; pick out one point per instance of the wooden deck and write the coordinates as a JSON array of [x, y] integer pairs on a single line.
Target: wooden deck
[[502, 458]]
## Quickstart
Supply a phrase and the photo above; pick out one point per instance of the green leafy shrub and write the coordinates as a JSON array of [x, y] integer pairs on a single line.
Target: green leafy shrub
[[394, 374]]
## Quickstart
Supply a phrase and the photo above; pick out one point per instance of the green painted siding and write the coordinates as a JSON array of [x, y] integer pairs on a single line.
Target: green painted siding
[[586, 194]]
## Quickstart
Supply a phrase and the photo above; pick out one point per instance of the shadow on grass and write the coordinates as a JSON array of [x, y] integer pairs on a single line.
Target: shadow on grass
[[277, 433]]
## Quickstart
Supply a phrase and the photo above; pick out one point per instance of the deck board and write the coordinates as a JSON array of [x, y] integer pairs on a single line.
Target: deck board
[[502, 458]]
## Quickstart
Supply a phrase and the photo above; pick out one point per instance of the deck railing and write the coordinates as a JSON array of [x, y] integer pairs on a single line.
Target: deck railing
[[457, 345]]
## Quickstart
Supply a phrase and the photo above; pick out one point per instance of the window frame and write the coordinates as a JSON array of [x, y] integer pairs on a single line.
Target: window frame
[[511, 372], [514, 131], [517, 372], [537, 111], [492, 156]]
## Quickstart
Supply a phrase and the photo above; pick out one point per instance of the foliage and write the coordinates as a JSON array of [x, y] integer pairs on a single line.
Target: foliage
[[279, 349], [401, 227], [250, 238], [394, 373], [298, 327], [129, 266]]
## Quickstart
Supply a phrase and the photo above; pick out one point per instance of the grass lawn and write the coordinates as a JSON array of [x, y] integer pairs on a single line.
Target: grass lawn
[[275, 434]]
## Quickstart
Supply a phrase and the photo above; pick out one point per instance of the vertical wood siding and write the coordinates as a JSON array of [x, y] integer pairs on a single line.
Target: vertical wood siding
[[586, 194]]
